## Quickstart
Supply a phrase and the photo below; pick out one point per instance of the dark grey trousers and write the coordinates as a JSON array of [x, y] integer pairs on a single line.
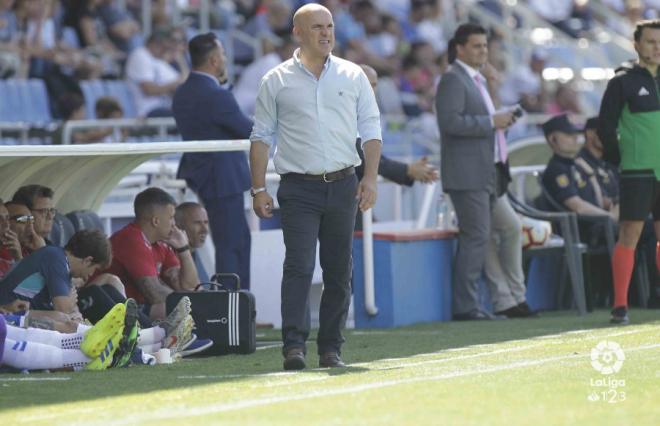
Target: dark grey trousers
[[311, 211], [473, 211]]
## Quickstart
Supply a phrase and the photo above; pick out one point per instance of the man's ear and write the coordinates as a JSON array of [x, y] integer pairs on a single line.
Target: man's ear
[[87, 261], [155, 221]]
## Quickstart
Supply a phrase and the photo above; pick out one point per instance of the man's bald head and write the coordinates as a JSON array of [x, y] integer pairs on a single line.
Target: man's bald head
[[314, 30], [304, 12], [371, 74]]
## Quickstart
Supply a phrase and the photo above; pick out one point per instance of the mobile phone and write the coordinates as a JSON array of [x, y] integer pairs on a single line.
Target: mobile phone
[[518, 111]]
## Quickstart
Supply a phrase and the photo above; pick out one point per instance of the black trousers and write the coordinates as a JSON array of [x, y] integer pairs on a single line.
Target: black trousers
[[311, 211]]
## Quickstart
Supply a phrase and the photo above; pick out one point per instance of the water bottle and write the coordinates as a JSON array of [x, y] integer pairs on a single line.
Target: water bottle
[[444, 218]]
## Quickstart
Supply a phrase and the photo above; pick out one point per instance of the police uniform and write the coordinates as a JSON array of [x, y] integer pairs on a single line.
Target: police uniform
[[606, 176], [563, 179]]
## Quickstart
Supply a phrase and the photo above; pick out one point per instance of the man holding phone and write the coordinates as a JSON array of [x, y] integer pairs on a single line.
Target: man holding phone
[[473, 139]]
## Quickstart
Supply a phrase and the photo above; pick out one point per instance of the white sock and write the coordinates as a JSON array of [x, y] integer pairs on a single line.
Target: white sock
[[150, 336], [83, 328], [37, 356], [45, 337], [150, 349]]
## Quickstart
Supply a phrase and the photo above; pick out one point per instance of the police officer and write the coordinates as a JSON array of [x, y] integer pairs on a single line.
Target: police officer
[[575, 187], [590, 158]]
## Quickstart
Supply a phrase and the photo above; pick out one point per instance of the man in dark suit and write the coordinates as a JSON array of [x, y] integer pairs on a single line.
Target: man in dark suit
[[203, 110], [473, 168]]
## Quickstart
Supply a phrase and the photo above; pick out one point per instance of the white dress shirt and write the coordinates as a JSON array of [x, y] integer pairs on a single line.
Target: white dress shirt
[[314, 121]]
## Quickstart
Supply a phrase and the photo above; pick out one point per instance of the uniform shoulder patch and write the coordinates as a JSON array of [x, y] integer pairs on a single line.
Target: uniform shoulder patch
[[562, 180]]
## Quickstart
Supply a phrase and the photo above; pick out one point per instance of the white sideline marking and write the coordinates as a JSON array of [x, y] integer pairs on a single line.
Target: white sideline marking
[[486, 347], [219, 408], [261, 348], [35, 379]]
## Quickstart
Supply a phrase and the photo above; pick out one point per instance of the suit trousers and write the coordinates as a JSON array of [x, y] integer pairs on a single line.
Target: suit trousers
[[231, 235], [473, 211], [311, 211], [503, 270]]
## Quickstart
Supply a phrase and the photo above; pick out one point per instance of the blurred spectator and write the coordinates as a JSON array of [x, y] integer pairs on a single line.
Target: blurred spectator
[[84, 16], [525, 84], [565, 100], [571, 16], [151, 79], [274, 17], [73, 108], [348, 31], [423, 25], [177, 50], [247, 87], [108, 107], [10, 60], [122, 29], [624, 24]]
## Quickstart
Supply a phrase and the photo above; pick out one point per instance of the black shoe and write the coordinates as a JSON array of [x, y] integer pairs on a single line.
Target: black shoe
[[620, 316], [294, 359], [521, 310], [330, 360], [477, 315]]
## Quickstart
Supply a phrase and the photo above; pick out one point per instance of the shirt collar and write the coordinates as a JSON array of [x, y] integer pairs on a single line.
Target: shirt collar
[[472, 72], [298, 62], [205, 74]]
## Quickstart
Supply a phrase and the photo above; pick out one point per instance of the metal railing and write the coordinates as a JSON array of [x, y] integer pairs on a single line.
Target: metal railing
[[161, 125]]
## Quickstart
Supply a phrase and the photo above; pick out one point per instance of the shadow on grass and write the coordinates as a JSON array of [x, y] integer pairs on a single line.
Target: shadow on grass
[[361, 346]]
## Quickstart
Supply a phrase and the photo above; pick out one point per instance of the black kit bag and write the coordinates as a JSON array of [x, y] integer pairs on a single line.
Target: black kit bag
[[225, 316]]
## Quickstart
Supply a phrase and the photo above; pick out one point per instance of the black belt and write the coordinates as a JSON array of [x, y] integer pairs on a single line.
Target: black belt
[[325, 177]]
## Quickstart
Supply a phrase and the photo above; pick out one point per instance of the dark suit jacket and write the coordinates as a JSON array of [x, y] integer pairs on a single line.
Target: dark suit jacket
[[205, 111], [393, 170], [467, 136]]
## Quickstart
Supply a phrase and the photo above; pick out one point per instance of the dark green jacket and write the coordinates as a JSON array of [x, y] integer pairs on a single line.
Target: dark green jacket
[[629, 119]]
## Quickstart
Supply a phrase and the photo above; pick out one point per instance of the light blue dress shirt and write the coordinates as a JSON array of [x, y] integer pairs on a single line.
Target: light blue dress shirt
[[315, 121]]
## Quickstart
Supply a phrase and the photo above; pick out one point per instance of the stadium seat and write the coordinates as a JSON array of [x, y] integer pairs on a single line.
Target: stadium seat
[[24, 101], [92, 90], [119, 89], [85, 219], [62, 230], [571, 250]]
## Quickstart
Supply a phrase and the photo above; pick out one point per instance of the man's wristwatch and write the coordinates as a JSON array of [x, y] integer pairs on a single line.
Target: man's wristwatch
[[182, 249], [255, 191]]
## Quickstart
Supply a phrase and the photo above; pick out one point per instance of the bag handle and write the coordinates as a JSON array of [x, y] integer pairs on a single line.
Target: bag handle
[[215, 283]]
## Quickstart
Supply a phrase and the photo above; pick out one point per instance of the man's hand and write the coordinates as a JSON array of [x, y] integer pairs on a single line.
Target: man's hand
[[421, 171], [262, 204], [35, 241], [10, 241], [366, 193], [178, 238], [17, 305], [502, 120]]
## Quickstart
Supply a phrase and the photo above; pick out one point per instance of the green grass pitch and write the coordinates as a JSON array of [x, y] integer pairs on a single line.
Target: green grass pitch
[[514, 372]]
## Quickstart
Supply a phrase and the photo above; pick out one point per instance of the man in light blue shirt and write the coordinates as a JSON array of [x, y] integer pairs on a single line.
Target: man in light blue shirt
[[314, 105]]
